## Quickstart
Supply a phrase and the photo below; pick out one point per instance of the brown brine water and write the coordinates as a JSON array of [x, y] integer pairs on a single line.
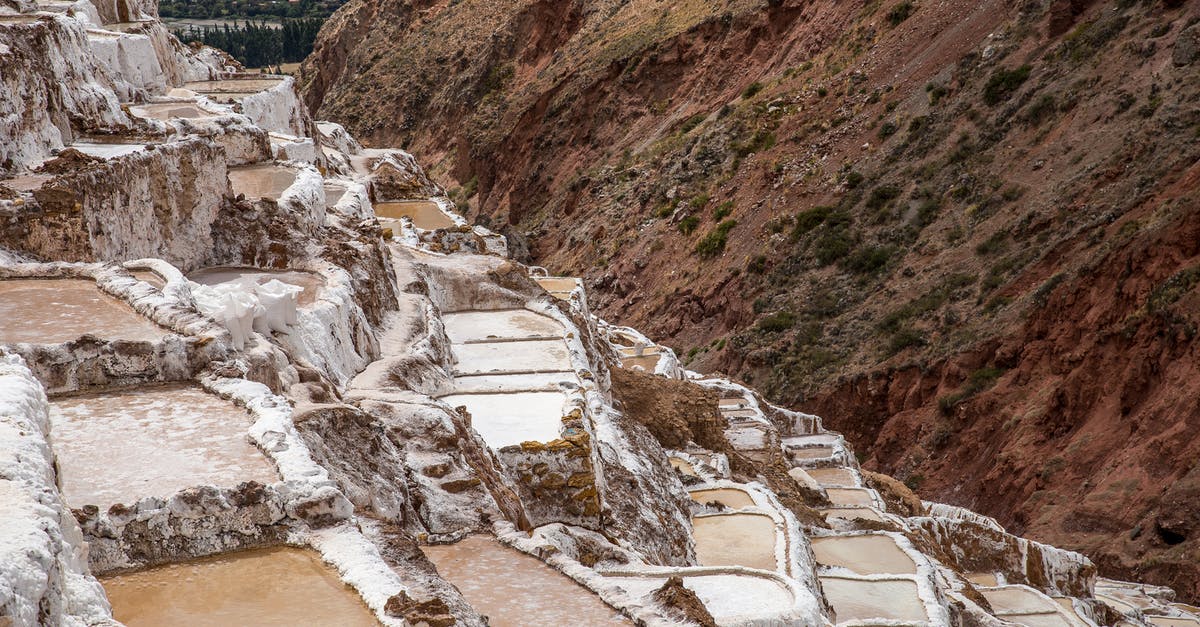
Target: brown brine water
[[278, 586], [515, 590]]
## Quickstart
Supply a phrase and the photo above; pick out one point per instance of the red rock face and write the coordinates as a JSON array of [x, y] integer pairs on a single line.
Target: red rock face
[[980, 272]]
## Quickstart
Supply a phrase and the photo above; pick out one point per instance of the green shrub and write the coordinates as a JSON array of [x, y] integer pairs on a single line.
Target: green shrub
[[936, 93], [713, 244], [691, 123], [723, 210], [887, 129], [1040, 110], [688, 225], [758, 265], [853, 179], [1003, 83], [776, 322], [699, 200], [900, 12], [869, 259], [760, 141], [665, 209], [994, 244], [832, 245], [752, 90], [905, 338], [810, 219], [468, 188], [881, 196]]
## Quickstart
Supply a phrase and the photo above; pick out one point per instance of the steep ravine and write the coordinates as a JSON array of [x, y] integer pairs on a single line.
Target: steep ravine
[[957, 231]]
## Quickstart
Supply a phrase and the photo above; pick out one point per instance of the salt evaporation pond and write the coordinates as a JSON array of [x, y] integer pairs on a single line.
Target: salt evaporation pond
[[1040, 620], [851, 513], [512, 418], [849, 496], [683, 466], [476, 326], [865, 555], [311, 282], [833, 476], [983, 579], [149, 276], [728, 598], [167, 111], [261, 181], [735, 540], [425, 214], [530, 356], [1171, 621], [645, 362], [277, 586], [1017, 599], [50, 311], [515, 590], [729, 497], [814, 452], [557, 283], [856, 599], [526, 382], [118, 447]]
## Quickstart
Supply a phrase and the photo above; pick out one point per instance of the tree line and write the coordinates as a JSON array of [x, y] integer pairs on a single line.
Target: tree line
[[259, 44], [238, 9]]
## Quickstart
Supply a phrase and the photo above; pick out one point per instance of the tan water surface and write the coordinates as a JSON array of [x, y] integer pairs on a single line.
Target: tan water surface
[[49, 311], [866, 600], [261, 181], [833, 476], [425, 214], [121, 446], [735, 540], [277, 586], [865, 555], [515, 590], [731, 498]]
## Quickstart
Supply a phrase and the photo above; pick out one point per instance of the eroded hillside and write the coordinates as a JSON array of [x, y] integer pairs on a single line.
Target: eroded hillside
[[965, 233]]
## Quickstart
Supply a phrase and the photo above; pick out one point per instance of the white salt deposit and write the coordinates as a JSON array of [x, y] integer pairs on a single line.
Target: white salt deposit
[[506, 419]]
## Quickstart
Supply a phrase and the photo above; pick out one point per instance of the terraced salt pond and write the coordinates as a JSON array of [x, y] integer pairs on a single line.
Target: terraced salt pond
[[118, 447], [735, 540], [514, 417], [1018, 599], [311, 282], [729, 497], [645, 362], [683, 466], [267, 181], [49, 311], [866, 555], [515, 590], [850, 496], [482, 326], [425, 214], [557, 283], [851, 513], [729, 598], [167, 111], [832, 476], [856, 599], [533, 356], [278, 586], [814, 452]]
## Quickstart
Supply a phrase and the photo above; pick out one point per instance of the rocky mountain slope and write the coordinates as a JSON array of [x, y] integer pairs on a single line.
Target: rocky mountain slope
[[962, 232]]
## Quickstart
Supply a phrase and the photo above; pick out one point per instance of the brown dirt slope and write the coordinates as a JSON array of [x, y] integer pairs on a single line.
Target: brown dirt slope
[[965, 233]]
